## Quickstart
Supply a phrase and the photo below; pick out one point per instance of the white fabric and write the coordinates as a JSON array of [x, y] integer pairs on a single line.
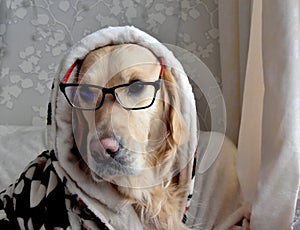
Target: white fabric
[[268, 139], [217, 202], [279, 176], [249, 142], [18, 146]]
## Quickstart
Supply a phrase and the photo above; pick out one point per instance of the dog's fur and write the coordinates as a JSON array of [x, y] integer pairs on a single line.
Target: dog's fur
[[143, 169]]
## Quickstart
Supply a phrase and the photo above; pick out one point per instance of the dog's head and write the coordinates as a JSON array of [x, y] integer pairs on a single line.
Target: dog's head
[[132, 126]]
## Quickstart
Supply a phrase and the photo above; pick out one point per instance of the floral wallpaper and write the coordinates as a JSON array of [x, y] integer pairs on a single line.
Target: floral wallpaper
[[35, 34]]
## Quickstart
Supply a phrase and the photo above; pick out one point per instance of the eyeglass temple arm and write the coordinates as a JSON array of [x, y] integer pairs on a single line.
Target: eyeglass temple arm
[[162, 69], [68, 73]]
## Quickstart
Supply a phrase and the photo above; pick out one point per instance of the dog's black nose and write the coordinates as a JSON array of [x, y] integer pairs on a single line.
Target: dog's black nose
[[111, 146]]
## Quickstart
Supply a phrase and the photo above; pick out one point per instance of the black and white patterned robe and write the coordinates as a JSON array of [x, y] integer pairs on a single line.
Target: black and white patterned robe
[[53, 192], [40, 200]]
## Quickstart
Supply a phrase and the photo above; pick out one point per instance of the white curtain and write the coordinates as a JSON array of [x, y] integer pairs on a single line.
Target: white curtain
[[260, 62]]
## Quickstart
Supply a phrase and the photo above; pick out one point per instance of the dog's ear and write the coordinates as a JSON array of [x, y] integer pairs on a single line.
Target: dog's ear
[[176, 124]]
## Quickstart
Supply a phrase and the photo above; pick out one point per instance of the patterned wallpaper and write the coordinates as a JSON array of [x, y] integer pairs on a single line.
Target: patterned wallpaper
[[35, 34]]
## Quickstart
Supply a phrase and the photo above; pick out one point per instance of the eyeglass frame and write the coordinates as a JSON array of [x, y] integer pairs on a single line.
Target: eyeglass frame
[[63, 85]]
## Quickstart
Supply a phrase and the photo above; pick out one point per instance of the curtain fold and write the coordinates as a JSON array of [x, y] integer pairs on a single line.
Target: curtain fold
[[260, 63], [230, 63], [249, 142], [279, 175]]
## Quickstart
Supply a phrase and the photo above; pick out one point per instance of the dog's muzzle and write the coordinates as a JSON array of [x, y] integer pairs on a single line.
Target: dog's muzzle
[[104, 148]]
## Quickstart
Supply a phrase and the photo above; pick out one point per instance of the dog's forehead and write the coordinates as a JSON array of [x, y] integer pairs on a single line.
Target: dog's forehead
[[130, 55], [122, 61]]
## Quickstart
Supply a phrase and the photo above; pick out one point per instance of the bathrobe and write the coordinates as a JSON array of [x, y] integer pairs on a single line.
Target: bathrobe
[[53, 192]]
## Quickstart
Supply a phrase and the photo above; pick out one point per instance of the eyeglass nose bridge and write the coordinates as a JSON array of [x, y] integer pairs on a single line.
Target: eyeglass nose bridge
[[108, 91]]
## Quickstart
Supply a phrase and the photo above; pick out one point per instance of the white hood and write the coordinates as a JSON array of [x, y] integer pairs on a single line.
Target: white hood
[[108, 204]]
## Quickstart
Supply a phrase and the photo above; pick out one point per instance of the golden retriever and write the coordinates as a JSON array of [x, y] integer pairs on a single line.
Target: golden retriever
[[135, 150]]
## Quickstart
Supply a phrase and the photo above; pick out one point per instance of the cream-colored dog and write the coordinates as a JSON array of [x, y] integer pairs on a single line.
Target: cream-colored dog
[[124, 143]]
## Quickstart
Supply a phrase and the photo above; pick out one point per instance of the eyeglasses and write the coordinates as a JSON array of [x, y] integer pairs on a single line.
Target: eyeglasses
[[132, 96]]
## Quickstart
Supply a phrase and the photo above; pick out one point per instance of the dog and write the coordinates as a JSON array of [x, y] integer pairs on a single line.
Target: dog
[[122, 147], [134, 149]]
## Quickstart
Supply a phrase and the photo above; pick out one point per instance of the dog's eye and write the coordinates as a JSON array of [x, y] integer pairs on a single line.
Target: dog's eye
[[87, 94], [136, 88]]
